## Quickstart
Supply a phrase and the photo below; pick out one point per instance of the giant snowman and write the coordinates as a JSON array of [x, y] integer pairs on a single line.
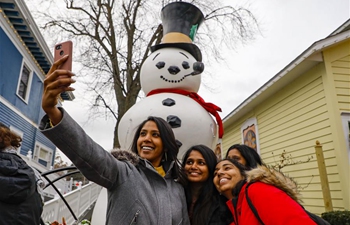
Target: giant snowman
[[170, 78]]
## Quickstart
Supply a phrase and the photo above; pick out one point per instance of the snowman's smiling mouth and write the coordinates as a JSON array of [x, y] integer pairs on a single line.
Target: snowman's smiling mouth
[[172, 81]]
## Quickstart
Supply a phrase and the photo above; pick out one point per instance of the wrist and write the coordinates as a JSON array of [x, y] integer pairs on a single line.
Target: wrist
[[55, 116]]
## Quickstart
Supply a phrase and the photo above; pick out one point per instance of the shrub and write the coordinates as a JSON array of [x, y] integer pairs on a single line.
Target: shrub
[[337, 217]]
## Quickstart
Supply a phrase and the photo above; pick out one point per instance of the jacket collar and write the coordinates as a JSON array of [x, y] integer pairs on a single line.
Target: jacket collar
[[276, 178], [134, 159]]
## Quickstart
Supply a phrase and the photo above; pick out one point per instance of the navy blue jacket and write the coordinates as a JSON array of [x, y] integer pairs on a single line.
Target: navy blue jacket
[[20, 203]]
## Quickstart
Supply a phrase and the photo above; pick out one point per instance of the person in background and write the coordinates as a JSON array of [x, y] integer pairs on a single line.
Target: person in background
[[274, 195], [143, 185], [20, 199], [245, 155], [205, 205]]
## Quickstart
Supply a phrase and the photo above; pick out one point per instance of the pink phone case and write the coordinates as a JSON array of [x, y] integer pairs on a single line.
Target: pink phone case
[[62, 49]]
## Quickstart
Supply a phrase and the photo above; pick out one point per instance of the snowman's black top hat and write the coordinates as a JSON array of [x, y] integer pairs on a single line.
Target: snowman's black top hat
[[180, 22]]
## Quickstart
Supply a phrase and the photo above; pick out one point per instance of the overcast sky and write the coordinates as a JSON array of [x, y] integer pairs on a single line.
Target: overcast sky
[[288, 28]]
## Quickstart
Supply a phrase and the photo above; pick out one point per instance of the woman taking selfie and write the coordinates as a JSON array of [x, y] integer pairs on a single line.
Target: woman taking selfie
[[141, 184], [205, 205], [273, 195]]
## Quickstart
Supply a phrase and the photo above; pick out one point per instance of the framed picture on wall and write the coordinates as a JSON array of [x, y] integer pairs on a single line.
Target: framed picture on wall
[[218, 151], [250, 134]]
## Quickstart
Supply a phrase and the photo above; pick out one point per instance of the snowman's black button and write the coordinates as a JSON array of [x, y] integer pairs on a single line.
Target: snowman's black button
[[173, 121], [168, 102]]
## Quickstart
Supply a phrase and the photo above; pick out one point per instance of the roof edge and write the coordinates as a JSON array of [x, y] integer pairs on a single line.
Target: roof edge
[[315, 48], [28, 16]]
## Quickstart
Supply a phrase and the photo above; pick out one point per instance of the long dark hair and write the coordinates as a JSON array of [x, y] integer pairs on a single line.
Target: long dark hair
[[251, 157], [170, 147], [208, 196]]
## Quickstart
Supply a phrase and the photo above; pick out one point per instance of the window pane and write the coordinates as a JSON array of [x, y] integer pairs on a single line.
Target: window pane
[[25, 75], [22, 91], [43, 154]]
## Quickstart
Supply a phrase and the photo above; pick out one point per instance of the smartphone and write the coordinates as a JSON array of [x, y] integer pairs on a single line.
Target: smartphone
[[62, 49]]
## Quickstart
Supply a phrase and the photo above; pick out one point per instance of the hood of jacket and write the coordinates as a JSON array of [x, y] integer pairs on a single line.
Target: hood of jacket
[[124, 155], [134, 159], [17, 179], [276, 178]]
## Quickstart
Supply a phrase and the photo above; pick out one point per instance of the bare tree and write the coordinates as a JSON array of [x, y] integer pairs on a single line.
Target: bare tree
[[114, 39], [286, 159]]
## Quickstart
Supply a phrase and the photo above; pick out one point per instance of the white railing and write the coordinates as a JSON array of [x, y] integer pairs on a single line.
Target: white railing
[[79, 201]]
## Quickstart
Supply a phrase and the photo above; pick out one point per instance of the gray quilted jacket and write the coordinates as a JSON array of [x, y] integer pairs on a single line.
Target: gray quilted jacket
[[137, 194]]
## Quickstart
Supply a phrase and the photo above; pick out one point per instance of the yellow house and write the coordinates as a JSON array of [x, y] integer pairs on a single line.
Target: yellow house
[[308, 100]]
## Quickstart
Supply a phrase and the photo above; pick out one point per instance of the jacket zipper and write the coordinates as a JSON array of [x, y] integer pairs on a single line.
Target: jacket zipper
[[133, 221]]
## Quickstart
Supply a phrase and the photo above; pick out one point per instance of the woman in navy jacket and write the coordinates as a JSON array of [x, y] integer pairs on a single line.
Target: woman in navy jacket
[[20, 202]]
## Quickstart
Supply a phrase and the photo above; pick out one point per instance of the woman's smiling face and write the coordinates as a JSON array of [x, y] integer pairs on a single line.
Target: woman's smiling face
[[196, 168], [149, 143], [226, 177]]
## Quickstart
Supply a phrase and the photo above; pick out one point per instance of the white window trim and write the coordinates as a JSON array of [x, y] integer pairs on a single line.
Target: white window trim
[[345, 117], [248, 123], [30, 78], [19, 133], [36, 154]]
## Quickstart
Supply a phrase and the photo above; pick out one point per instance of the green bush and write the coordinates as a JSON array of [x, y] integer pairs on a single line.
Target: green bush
[[337, 217]]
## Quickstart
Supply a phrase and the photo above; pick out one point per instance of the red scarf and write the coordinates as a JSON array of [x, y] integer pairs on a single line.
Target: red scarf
[[210, 107]]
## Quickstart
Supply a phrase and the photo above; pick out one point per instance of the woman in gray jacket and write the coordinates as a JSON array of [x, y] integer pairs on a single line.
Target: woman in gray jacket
[[142, 191]]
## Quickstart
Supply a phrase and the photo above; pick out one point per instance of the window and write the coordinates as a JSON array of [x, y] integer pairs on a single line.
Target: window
[[19, 133], [43, 155], [24, 82], [346, 127], [250, 135]]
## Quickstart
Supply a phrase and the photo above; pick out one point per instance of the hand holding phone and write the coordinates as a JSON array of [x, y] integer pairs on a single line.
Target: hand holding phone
[[62, 49]]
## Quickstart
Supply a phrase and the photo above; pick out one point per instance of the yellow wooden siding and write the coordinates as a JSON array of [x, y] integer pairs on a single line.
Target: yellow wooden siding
[[341, 74], [292, 120], [306, 110], [337, 89]]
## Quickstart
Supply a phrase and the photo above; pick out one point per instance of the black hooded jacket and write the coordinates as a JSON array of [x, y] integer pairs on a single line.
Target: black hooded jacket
[[20, 203]]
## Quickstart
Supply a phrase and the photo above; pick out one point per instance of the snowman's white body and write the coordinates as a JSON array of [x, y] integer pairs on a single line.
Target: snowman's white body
[[197, 126], [170, 68]]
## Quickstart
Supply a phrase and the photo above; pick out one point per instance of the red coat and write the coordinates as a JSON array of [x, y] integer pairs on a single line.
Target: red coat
[[274, 206]]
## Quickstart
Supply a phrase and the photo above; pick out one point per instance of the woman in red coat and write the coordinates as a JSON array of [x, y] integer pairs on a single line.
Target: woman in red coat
[[274, 195]]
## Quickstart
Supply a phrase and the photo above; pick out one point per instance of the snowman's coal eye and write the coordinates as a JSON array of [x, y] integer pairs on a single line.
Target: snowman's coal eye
[[185, 65], [160, 65]]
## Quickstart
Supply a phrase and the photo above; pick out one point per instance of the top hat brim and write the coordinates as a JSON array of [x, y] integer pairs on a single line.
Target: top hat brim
[[189, 47]]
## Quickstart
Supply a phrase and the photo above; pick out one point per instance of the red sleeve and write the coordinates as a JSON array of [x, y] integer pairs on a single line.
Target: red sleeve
[[276, 207]]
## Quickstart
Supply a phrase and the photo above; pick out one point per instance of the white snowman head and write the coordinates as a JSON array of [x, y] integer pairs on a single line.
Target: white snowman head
[[175, 63], [173, 68]]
